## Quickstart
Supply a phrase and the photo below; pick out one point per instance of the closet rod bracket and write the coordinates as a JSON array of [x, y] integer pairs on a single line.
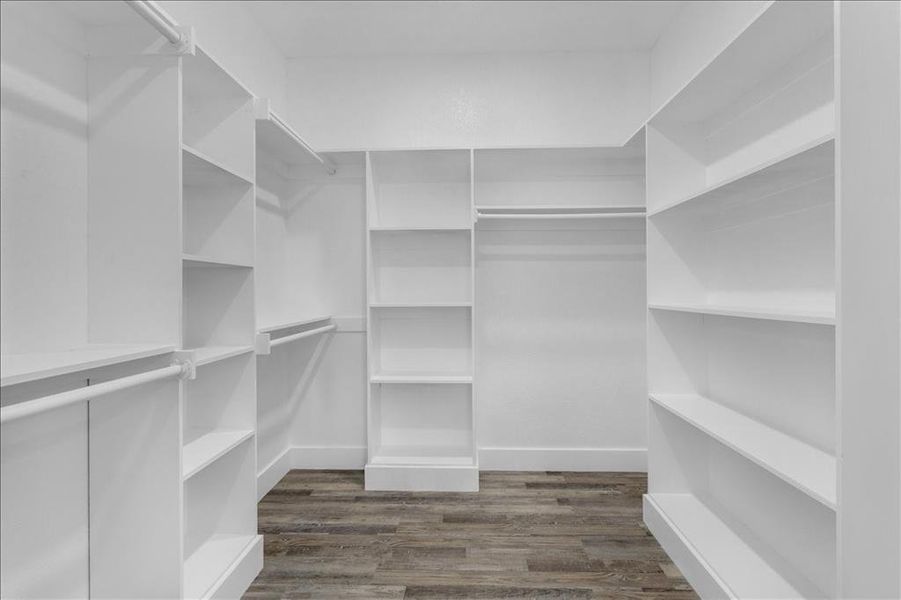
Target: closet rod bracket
[[185, 359]]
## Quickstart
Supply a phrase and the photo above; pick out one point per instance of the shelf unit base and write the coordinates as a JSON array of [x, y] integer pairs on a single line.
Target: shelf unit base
[[247, 564], [714, 559], [422, 478]]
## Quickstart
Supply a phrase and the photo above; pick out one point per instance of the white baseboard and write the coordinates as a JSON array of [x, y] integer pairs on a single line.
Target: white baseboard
[[328, 457], [563, 459]]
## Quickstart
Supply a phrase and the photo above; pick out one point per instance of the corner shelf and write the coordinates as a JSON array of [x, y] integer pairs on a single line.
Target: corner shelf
[[402, 228], [291, 324], [193, 260], [201, 169], [32, 366], [207, 448], [811, 317], [802, 466], [206, 355], [722, 562]]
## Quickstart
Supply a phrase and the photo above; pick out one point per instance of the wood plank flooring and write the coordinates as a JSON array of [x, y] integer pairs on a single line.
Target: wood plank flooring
[[524, 535]]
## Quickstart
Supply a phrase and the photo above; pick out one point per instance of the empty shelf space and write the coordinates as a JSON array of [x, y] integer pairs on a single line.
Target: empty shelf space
[[205, 449], [208, 563], [278, 325], [193, 260], [201, 169], [806, 468], [25, 367], [812, 316], [687, 528], [209, 354], [436, 378], [278, 138], [423, 455], [810, 162]]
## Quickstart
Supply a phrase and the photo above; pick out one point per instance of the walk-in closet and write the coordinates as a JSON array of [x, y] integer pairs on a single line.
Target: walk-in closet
[[432, 300]]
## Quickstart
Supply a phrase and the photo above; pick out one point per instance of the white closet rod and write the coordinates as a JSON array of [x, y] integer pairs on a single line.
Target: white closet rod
[[150, 13], [326, 164], [301, 335], [40, 405], [616, 215]]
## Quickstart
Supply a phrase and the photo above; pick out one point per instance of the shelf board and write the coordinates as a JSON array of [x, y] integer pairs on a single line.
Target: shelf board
[[208, 448], [32, 366], [811, 162], [205, 355], [201, 169], [802, 466], [813, 317], [554, 210], [421, 305], [414, 228], [451, 456], [691, 530], [194, 260], [432, 378], [290, 324], [207, 564]]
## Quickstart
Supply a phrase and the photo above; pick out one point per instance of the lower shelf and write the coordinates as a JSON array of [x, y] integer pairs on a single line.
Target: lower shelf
[[423, 455], [205, 449], [422, 478], [223, 567], [714, 558]]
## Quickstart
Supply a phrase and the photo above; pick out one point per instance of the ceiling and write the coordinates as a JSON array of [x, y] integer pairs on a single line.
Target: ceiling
[[312, 28]]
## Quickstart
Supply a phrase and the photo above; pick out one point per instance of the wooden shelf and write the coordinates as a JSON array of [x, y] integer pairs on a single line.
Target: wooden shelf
[[32, 366], [209, 447], [699, 540], [802, 466], [812, 317], [209, 354], [810, 162], [211, 560], [430, 378], [193, 260], [290, 324], [201, 169]]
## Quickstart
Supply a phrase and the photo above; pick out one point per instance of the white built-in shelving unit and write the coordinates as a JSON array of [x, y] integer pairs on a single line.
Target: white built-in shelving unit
[[149, 221], [420, 325], [741, 314]]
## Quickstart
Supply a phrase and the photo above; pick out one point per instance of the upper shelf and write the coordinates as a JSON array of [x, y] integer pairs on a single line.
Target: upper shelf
[[279, 139], [782, 33], [810, 162], [806, 468], [22, 368], [559, 212], [279, 325]]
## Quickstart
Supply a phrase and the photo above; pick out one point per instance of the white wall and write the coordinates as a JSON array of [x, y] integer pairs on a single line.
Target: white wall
[[698, 33], [468, 100], [231, 35], [43, 178]]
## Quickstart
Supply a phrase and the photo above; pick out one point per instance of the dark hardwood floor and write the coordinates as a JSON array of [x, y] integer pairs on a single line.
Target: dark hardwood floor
[[524, 535]]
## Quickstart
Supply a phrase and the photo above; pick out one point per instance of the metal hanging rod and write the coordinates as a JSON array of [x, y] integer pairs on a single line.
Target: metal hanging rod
[[326, 164], [47, 403], [302, 335], [150, 13]]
